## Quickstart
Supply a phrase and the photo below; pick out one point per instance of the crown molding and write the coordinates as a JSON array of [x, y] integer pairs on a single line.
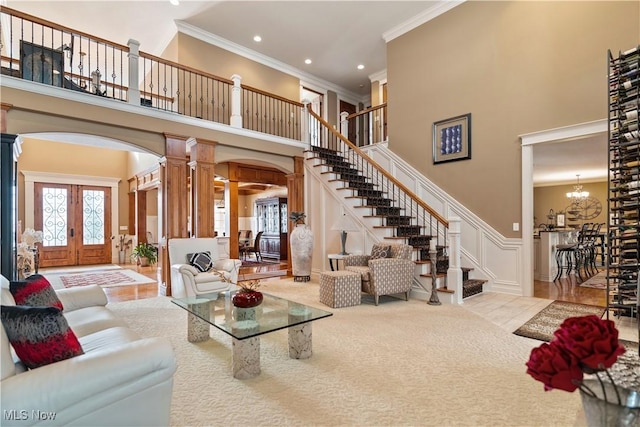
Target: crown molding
[[441, 7], [380, 76], [227, 45]]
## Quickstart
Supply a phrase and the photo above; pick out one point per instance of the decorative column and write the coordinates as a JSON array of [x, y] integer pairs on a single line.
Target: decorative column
[[295, 201], [231, 203], [3, 116], [202, 188], [133, 94], [141, 216], [173, 195], [454, 273], [236, 102], [344, 124]]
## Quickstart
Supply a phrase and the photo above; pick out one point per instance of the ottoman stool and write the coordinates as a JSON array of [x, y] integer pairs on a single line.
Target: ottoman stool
[[340, 288]]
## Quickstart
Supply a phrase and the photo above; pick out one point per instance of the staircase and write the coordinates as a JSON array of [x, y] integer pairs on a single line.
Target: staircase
[[402, 216]]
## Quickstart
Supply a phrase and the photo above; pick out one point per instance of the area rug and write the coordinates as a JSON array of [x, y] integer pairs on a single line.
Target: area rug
[[599, 281], [367, 363], [106, 278], [547, 321]]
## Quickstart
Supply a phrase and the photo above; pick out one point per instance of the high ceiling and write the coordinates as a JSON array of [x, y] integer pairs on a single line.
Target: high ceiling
[[336, 35]]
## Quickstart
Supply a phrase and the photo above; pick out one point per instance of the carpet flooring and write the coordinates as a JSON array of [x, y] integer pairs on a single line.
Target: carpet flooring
[[396, 364], [547, 321], [598, 281], [105, 278]]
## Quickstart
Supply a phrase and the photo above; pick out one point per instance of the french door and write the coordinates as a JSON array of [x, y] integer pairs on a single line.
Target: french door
[[76, 224]]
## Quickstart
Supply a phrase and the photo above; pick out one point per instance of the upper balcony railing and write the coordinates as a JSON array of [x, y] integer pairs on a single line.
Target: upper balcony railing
[[45, 52], [370, 123]]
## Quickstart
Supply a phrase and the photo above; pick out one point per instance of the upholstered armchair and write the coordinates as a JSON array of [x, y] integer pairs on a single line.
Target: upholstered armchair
[[195, 273], [388, 270]]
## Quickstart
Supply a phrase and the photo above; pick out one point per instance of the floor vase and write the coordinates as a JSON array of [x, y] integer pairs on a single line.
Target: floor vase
[[301, 252], [608, 413]]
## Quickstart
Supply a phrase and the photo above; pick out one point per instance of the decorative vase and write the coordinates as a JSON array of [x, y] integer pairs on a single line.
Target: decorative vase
[[301, 251], [246, 299], [122, 257], [607, 413]]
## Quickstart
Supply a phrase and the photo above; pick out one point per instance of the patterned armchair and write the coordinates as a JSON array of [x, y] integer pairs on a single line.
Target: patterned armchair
[[388, 270]]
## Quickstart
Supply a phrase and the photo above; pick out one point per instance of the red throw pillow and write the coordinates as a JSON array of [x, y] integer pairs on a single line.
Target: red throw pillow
[[35, 291], [39, 335]]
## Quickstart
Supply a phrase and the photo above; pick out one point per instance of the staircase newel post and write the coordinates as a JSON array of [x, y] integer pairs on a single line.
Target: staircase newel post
[[344, 124], [306, 123], [134, 58], [433, 257], [236, 102], [454, 273]]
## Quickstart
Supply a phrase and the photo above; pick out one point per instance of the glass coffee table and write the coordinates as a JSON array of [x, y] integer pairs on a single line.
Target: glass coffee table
[[245, 325]]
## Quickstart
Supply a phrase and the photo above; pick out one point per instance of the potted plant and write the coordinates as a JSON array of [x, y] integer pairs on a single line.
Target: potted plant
[[144, 254]]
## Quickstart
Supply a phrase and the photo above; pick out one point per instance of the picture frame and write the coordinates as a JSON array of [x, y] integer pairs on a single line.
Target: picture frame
[[41, 64], [560, 220], [452, 139]]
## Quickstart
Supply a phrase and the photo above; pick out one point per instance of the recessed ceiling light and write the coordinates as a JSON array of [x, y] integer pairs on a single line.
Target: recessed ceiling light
[[175, 2], [360, 67], [307, 61], [257, 39]]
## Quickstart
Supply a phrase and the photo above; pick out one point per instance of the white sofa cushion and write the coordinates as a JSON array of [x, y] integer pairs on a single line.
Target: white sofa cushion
[[89, 320], [107, 338]]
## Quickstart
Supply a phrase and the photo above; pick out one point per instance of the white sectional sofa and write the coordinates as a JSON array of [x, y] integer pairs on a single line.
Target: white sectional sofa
[[120, 380]]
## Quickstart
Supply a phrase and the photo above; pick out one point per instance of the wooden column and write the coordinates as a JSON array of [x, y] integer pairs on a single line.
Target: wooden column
[[173, 199], [141, 216], [231, 203], [4, 108], [295, 193], [202, 189]]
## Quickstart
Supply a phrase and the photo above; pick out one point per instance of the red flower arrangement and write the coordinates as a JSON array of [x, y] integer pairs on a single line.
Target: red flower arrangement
[[582, 345]]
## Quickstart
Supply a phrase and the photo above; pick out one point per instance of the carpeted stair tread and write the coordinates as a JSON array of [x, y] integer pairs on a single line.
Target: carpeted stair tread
[[472, 287]]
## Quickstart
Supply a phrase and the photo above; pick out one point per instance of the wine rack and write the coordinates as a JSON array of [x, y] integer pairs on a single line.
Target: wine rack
[[623, 261]]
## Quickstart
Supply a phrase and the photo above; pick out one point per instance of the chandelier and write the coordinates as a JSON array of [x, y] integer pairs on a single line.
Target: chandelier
[[577, 192]]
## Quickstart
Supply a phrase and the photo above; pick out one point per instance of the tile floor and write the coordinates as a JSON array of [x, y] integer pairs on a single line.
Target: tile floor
[[510, 312]]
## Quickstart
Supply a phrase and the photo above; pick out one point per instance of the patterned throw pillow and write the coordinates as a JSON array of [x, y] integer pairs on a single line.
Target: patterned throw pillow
[[35, 291], [201, 261], [39, 335], [379, 251]]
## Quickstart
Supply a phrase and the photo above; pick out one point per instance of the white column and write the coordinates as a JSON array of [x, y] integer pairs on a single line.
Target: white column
[[134, 55], [344, 124], [454, 273], [305, 127], [236, 102]]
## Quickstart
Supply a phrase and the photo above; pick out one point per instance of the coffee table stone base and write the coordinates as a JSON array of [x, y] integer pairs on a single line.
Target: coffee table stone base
[[300, 341], [198, 329], [245, 362]]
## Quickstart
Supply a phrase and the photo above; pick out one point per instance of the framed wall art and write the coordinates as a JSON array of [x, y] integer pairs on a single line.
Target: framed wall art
[[452, 139], [41, 64]]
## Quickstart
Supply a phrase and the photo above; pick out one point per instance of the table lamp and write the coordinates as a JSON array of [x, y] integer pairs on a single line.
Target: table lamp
[[344, 223]]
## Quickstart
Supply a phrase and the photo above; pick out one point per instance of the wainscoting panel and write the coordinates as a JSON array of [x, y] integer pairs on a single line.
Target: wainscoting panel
[[491, 255]]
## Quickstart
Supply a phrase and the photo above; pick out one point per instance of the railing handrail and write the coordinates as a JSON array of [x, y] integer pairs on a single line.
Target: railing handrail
[[271, 95], [50, 24], [366, 111], [380, 169], [184, 67]]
